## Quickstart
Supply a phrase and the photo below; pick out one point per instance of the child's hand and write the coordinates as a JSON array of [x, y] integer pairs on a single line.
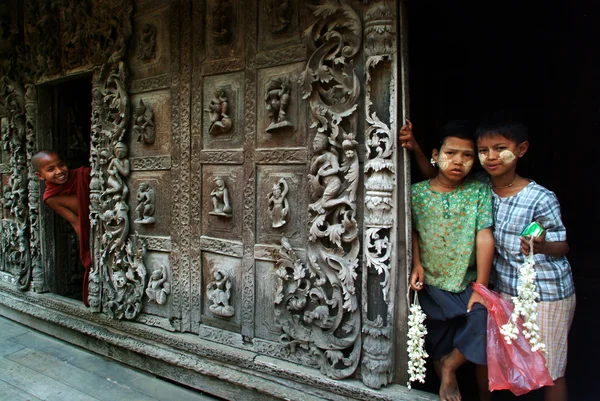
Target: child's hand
[[417, 278], [539, 244], [406, 138], [475, 298]]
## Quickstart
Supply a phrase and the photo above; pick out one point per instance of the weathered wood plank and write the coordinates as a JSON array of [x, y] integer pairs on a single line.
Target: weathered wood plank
[[38, 384], [10, 393]]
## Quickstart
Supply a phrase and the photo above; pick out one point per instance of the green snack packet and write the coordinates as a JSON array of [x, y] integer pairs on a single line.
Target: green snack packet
[[532, 229]]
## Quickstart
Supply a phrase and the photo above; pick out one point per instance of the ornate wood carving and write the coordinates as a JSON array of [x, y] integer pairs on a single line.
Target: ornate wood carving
[[149, 163], [147, 43], [220, 121], [146, 207], [143, 126], [159, 287], [316, 303], [278, 204], [277, 98], [221, 157], [379, 215], [150, 84], [157, 243], [15, 225], [219, 293], [279, 57], [279, 156], [221, 246]]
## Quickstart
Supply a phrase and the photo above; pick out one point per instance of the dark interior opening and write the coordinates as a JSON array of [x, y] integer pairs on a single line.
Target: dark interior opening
[[71, 102], [539, 61]]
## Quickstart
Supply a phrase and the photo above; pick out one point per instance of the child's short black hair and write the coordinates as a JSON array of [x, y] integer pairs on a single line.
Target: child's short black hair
[[35, 159], [502, 124], [462, 129]]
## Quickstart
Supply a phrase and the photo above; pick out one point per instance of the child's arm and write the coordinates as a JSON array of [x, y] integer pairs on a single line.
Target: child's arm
[[540, 245], [408, 141], [55, 204], [484, 243], [553, 241], [417, 276]]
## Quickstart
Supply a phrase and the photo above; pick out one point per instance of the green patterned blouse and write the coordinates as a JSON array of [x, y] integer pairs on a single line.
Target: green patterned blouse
[[447, 224]]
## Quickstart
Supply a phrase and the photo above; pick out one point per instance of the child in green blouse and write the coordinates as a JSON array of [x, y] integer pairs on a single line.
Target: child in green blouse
[[453, 246]]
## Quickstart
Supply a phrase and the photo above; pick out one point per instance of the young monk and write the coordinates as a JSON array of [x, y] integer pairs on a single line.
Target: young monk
[[68, 194]]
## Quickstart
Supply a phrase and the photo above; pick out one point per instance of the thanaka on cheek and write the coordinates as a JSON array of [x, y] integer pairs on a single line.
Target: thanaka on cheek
[[482, 158], [443, 161], [507, 156]]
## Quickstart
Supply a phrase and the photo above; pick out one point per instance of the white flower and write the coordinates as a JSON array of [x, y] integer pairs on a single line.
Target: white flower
[[416, 343], [525, 306]]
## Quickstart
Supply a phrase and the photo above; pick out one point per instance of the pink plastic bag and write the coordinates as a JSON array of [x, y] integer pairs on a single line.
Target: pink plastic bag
[[513, 366]]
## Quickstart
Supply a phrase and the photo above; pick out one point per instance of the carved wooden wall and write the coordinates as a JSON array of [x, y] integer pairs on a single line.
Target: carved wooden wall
[[246, 180]]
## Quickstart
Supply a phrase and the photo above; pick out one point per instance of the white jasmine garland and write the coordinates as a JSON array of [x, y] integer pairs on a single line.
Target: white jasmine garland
[[416, 343], [525, 306]]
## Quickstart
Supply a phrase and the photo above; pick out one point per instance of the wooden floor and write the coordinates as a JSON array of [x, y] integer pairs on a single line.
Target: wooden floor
[[34, 366]]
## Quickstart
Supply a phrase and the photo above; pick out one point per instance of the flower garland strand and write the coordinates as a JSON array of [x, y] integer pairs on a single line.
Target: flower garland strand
[[416, 343], [526, 306]]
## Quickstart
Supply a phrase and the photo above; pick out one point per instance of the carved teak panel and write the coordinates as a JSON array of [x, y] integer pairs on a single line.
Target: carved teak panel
[[244, 176]]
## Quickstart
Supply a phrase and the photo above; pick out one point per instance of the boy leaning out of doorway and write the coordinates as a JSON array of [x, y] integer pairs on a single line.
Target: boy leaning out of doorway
[[518, 201], [453, 246], [68, 193]]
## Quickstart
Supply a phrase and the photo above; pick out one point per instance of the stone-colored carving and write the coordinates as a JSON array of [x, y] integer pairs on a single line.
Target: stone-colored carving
[[143, 126], [278, 100], [219, 292], [147, 43], [220, 122], [150, 163], [279, 206], [222, 22], [316, 303], [118, 169], [220, 199], [158, 286], [146, 198], [280, 14], [379, 216]]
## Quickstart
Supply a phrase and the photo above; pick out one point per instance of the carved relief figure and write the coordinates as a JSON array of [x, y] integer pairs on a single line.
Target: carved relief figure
[[220, 122], [158, 286], [220, 199], [219, 293], [147, 43], [278, 100], [143, 125], [146, 198], [280, 13], [117, 169], [278, 204], [324, 179], [222, 21]]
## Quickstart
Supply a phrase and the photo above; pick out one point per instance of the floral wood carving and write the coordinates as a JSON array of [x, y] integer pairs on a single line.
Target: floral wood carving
[[380, 181], [316, 303], [15, 241], [143, 126]]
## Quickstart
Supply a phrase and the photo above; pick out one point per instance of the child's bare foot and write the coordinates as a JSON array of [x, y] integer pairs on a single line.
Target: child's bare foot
[[449, 387]]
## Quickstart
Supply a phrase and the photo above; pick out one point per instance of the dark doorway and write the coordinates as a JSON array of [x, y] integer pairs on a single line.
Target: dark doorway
[[538, 60], [70, 109]]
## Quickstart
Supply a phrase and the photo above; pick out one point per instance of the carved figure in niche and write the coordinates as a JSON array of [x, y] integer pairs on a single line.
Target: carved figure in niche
[[146, 198], [117, 169], [324, 180], [219, 293], [280, 12], [278, 203], [221, 21], [147, 43], [220, 122], [278, 100], [143, 123], [220, 199], [158, 286]]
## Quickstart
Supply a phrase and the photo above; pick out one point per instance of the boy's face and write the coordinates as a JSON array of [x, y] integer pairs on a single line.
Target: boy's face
[[455, 158], [498, 155], [52, 169]]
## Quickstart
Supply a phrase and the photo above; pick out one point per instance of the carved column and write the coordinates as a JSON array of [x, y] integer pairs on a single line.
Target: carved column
[[316, 302], [379, 234]]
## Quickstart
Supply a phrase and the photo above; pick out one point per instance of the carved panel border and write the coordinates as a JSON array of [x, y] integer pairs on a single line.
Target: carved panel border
[[221, 336], [222, 66], [7, 278], [224, 247], [150, 84], [150, 163], [270, 253], [282, 56], [161, 322], [280, 351], [5, 168], [155, 243], [280, 156], [221, 157]]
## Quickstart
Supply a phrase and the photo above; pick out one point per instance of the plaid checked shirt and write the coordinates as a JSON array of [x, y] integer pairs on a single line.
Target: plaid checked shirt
[[534, 203]]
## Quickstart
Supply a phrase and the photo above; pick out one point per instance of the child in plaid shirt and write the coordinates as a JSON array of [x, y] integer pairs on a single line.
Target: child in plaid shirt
[[518, 201]]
